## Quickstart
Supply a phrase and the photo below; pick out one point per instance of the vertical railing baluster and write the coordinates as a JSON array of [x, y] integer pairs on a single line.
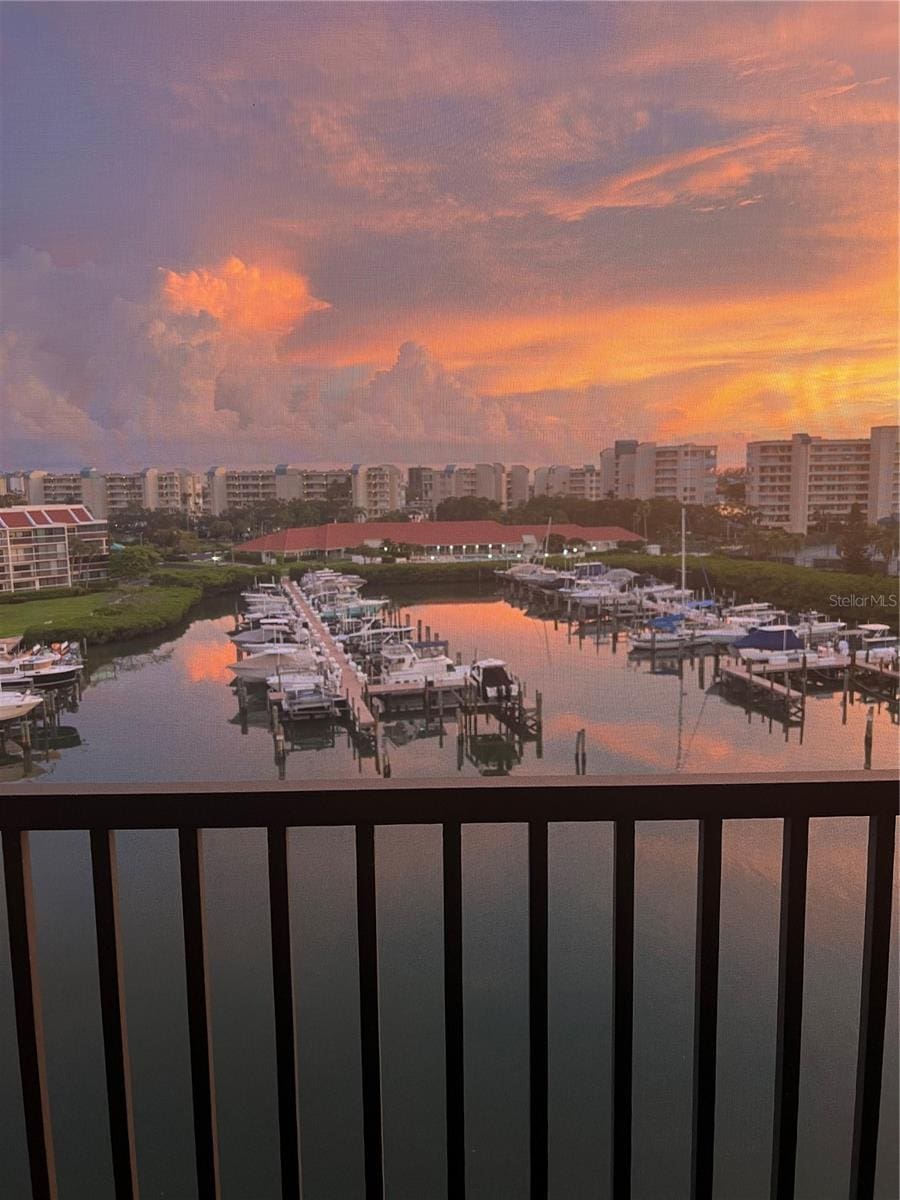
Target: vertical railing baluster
[[623, 1006], [206, 1141], [370, 1048], [706, 1000], [453, 1012], [112, 1010], [283, 996], [792, 934], [873, 1004], [537, 1005], [29, 1019]]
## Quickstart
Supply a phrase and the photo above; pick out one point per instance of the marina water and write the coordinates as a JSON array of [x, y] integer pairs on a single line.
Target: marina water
[[162, 711]]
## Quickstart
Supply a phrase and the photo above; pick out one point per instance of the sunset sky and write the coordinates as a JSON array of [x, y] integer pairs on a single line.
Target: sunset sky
[[443, 232]]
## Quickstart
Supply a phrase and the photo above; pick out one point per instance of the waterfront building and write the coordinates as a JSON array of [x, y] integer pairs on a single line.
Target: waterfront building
[[176, 490], [685, 473], [377, 489], [617, 470], [518, 486], [581, 482], [303, 483], [86, 486], [237, 487], [792, 483], [430, 539], [427, 486], [632, 470], [50, 546]]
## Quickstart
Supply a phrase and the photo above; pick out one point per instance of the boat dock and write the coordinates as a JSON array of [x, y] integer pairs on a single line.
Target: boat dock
[[357, 704], [762, 685]]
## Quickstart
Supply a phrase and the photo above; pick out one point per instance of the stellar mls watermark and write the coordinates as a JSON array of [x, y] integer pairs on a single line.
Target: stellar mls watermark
[[862, 600]]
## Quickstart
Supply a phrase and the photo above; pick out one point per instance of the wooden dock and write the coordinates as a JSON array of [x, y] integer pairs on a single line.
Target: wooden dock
[[354, 693], [763, 686]]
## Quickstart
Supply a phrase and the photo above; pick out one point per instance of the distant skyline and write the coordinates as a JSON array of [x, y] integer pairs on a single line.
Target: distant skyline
[[255, 233]]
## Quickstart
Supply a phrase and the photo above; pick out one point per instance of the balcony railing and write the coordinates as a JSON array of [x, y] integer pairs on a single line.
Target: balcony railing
[[709, 802]]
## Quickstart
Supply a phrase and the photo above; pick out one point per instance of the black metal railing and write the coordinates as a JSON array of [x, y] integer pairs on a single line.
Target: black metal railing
[[710, 802]]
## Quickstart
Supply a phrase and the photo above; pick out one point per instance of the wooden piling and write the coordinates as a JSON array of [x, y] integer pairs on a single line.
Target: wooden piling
[[867, 741]]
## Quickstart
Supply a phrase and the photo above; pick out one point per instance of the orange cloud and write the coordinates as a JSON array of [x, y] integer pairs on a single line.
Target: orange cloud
[[241, 297], [674, 178]]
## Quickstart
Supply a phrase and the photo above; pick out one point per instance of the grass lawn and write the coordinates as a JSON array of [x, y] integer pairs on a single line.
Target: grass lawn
[[65, 610], [125, 612]]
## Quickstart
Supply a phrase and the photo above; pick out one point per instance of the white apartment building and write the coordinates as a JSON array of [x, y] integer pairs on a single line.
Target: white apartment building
[[377, 489], [794, 483], [582, 482], [236, 487], [685, 473], [302, 483], [176, 490], [632, 470], [106, 493], [617, 465], [518, 486], [87, 486], [44, 547], [428, 486]]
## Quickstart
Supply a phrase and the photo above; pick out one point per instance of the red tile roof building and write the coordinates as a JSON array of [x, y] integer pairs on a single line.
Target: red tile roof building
[[444, 538], [40, 547]]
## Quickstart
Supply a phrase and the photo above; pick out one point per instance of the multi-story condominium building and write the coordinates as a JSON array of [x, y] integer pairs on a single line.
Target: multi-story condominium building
[[617, 470], [301, 483], [236, 487], [176, 490], [518, 486], [884, 473], [632, 470], [123, 491], [50, 546], [581, 482], [107, 493], [428, 486], [794, 483], [377, 489], [86, 486], [686, 473]]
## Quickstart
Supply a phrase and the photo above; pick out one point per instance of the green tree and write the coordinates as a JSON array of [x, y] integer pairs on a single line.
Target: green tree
[[133, 562], [853, 542], [468, 508]]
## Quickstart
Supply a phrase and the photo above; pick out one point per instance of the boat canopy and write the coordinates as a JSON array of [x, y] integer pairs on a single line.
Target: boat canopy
[[668, 622], [700, 604], [770, 637]]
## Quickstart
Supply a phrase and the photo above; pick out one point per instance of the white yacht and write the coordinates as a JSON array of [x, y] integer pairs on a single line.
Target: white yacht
[[256, 668], [403, 663]]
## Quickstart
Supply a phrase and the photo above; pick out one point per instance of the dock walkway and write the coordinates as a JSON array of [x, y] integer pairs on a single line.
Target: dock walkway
[[353, 690]]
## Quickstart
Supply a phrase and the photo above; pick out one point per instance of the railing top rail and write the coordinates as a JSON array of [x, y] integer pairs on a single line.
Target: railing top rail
[[424, 802]]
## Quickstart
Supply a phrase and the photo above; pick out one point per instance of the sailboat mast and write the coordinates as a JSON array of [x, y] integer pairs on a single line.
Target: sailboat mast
[[683, 556]]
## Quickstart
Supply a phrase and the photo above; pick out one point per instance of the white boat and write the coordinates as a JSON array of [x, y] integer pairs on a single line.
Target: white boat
[[17, 704], [42, 666], [402, 663], [771, 643], [304, 693], [876, 636], [256, 668], [493, 680]]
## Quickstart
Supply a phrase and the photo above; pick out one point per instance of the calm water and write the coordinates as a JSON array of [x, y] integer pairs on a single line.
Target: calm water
[[163, 711]]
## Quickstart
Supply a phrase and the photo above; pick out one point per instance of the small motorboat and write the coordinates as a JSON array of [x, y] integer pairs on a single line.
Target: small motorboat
[[17, 704], [493, 680]]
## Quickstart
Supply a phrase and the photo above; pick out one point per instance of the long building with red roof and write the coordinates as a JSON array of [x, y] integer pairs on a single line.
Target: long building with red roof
[[429, 538]]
